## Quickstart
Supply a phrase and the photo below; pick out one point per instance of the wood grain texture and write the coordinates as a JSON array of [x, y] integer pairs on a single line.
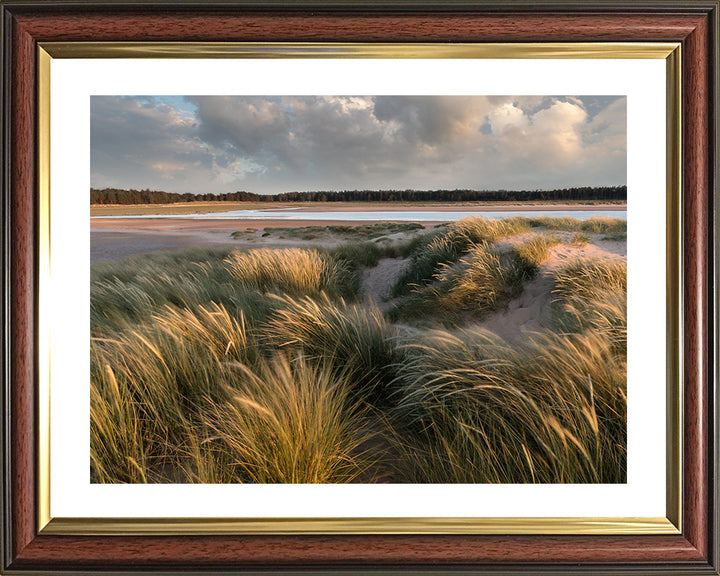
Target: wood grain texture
[[359, 550], [697, 200], [687, 552], [22, 263], [326, 28]]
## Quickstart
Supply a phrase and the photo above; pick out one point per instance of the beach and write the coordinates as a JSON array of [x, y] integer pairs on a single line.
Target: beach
[[421, 352], [120, 237]]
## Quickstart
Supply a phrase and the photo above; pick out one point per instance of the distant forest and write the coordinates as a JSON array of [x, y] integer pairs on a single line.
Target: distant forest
[[605, 193]]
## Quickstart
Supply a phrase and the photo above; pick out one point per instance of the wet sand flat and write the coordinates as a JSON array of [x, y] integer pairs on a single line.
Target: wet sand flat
[[115, 239], [118, 238]]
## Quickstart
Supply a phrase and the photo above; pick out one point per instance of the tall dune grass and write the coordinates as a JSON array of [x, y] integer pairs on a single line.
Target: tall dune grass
[[481, 281], [590, 279], [290, 421], [450, 243], [126, 293], [358, 339], [592, 295], [531, 253], [359, 254], [472, 409], [148, 380], [596, 224], [294, 271], [191, 397], [257, 366]]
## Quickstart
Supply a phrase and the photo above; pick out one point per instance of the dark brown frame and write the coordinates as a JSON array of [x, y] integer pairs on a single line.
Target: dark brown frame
[[692, 23]]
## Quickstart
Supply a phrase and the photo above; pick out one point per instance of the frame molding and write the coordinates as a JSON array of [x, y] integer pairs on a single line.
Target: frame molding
[[31, 23], [671, 524]]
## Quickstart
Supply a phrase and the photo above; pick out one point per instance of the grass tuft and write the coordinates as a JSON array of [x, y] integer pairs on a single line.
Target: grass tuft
[[472, 409], [448, 244], [287, 421], [356, 337], [291, 270]]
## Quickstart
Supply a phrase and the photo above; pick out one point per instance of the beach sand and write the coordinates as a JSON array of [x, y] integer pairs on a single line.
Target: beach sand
[[522, 315], [528, 312], [118, 238]]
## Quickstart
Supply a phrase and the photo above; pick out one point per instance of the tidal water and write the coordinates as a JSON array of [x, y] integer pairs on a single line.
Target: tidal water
[[291, 214]]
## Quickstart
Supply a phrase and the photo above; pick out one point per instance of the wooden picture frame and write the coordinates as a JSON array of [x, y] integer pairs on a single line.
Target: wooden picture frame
[[30, 548]]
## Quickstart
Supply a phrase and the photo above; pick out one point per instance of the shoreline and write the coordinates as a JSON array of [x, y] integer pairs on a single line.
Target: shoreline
[[219, 224], [177, 222], [160, 210], [117, 238]]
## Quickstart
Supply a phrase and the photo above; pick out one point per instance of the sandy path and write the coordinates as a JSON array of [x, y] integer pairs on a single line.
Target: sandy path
[[377, 282]]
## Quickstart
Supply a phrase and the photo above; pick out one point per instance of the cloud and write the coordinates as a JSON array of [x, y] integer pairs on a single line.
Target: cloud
[[273, 144], [507, 116]]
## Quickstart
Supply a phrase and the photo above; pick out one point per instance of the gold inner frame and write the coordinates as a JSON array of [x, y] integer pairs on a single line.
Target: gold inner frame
[[671, 524]]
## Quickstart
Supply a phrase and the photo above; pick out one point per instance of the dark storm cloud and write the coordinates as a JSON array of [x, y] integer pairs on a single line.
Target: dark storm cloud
[[271, 144]]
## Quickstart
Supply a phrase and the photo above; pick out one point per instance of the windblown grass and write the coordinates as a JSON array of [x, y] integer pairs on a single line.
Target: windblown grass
[[579, 239], [597, 224], [472, 409], [289, 421], [359, 254], [258, 366], [291, 270], [191, 397], [530, 254], [592, 295], [147, 381], [481, 281], [357, 338], [450, 243], [590, 279], [126, 293], [616, 237]]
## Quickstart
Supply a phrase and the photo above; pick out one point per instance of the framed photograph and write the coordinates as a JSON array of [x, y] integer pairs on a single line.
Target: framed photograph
[[330, 287]]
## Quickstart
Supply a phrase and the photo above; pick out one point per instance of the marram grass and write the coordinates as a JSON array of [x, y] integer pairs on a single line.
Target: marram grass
[[290, 270], [290, 421], [190, 397], [357, 338], [262, 365], [478, 283], [472, 409]]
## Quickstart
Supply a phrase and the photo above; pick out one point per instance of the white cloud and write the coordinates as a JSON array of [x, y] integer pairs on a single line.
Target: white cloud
[[272, 144], [507, 116]]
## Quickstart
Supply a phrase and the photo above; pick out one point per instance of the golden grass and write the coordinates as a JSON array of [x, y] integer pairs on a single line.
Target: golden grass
[[185, 397], [473, 409], [355, 336], [291, 421], [251, 367], [590, 279], [291, 270]]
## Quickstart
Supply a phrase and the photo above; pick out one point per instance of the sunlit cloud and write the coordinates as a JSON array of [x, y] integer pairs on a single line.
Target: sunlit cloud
[[272, 144]]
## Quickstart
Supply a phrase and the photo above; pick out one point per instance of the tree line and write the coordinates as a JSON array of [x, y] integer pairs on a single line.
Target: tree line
[[585, 193]]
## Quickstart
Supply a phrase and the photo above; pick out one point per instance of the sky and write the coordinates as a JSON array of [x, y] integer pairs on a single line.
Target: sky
[[273, 144]]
